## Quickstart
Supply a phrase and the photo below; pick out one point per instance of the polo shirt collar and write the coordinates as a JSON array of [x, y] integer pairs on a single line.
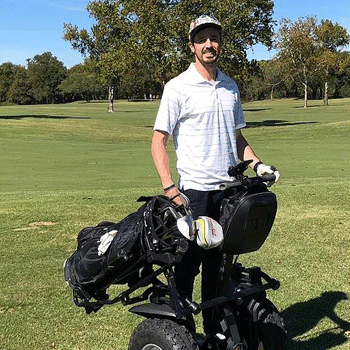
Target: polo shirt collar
[[197, 78]]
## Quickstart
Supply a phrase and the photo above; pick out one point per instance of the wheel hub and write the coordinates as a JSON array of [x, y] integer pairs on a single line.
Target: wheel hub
[[151, 347]]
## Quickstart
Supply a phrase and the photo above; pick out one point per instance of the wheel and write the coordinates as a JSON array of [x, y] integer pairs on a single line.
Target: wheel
[[161, 334], [260, 325], [271, 328]]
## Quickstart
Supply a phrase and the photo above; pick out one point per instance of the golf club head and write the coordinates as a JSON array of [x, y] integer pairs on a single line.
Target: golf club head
[[186, 227], [209, 232]]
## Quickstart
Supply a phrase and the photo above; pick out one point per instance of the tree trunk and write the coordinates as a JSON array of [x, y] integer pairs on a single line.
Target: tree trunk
[[271, 94], [305, 95], [305, 88], [111, 98], [326, 93]]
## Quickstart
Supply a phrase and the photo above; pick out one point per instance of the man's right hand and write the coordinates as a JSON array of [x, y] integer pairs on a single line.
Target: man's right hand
[[174, 194]]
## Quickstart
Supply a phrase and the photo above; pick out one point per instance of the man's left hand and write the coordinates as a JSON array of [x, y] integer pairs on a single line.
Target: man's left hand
[[263, 169]]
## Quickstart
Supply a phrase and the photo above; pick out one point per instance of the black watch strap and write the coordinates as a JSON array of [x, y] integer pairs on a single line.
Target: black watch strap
[[256, 166]]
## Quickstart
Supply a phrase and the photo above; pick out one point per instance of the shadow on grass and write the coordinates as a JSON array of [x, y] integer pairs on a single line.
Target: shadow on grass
[[311, 106], [255, 109], [301, 318], [265, 123], [275, 123], [127, 111], [38, 116]]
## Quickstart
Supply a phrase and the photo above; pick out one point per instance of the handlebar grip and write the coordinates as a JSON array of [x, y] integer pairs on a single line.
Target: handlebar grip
[[225, 186], [268, 178], [248, 181]]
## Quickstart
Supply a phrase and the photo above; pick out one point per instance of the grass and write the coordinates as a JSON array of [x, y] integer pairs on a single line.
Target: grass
[[63, 167]]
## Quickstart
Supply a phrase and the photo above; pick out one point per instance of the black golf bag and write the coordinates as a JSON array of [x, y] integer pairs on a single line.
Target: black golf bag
[[147, 236]]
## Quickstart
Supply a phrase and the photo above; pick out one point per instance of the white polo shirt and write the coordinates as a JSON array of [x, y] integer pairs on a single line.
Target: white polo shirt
[[202, 117]]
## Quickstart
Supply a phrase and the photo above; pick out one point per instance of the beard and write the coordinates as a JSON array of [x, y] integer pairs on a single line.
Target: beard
[[208, 56]]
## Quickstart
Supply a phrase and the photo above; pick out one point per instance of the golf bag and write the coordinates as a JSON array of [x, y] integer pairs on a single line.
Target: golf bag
[[149, 235]]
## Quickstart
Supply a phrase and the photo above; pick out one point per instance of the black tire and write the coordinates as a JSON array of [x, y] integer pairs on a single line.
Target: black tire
[[271, 328], [265, 330], [161, 334]]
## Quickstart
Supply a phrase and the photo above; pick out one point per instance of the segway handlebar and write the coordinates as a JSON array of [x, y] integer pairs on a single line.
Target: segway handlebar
[[248, 181]]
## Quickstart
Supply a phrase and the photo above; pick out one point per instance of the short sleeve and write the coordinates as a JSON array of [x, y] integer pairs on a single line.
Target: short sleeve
[[238, 114], [169, 110]]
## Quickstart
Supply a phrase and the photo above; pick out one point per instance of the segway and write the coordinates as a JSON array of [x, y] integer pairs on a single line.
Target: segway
[[247, 319]]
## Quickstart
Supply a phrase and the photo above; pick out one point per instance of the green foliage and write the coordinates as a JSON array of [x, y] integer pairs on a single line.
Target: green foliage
[[45, 73], [343, 74], [297, 48], [309, 50], [332, 36], [152, 36], [84, 85], [20, 91], [46, 80], [7, 76]]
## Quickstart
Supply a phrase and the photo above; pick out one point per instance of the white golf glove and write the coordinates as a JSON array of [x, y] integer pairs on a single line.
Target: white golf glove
[[263, 169]]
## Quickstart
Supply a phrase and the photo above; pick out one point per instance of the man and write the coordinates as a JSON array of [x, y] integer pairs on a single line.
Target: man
[[201, 109]]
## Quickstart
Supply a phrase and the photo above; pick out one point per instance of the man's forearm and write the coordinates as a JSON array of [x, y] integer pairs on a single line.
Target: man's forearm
[[161, 162], [245, 151], [161, 158]]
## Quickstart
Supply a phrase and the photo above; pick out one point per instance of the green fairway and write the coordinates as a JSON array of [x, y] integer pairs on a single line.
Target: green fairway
[[64, 167]]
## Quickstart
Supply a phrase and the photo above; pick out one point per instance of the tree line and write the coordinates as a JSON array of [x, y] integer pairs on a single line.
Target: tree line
[[45, 79], [135, 47]]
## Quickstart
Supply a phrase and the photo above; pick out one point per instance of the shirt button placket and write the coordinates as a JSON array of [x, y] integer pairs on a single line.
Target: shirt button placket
[[217, 101]]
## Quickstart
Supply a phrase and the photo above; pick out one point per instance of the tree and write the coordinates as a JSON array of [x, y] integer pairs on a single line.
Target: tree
[[45, 73], [152, 36], [297, 46], [83, 81], [106, 44], [84, 85], [20, 89], [7, 76], [273, 74], [343, 75], [331, 39], [328, 63]]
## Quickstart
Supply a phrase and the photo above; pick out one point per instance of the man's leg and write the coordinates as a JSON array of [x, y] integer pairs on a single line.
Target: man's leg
[[211, 263], [188, 268], [202, 203]]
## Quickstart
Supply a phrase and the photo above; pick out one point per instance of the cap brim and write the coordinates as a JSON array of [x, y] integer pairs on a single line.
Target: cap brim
[[202, 26]]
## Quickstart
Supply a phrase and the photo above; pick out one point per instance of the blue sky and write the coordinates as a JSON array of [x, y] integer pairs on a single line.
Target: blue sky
[[31, 27]]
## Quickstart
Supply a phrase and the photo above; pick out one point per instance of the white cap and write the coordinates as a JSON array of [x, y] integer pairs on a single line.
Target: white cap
[[201, 22]]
